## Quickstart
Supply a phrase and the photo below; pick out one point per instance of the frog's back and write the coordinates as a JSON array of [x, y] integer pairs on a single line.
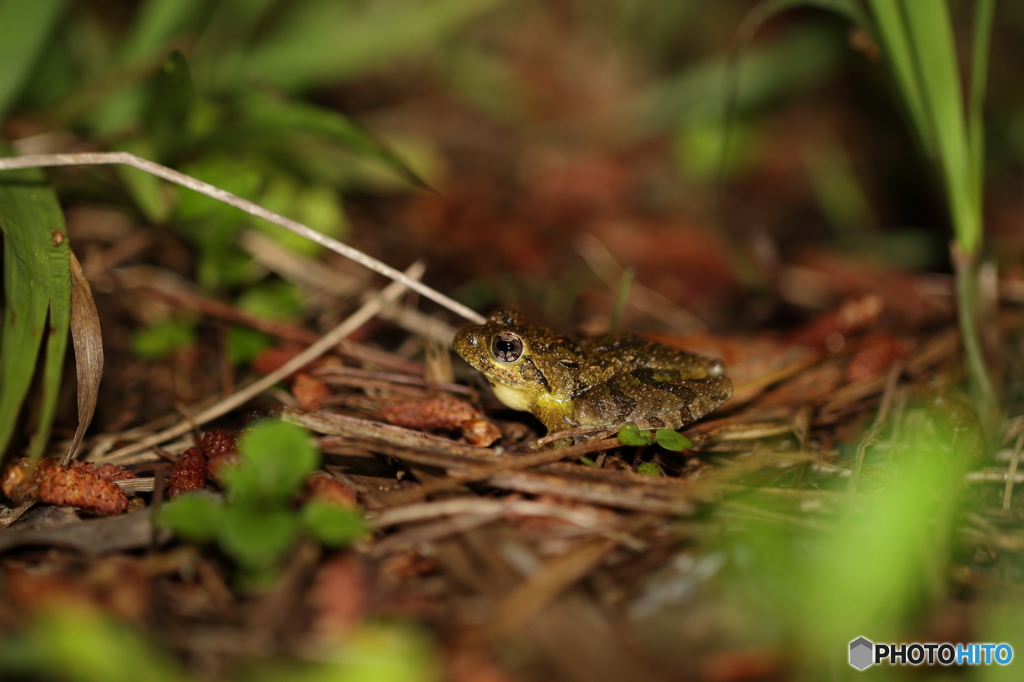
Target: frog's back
[[648, 384]]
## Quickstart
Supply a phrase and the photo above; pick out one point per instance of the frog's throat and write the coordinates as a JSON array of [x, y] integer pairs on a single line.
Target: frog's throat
[[515, 397], [535, 401]]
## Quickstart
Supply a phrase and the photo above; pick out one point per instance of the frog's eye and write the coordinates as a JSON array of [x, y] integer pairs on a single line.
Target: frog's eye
[[507, 347]]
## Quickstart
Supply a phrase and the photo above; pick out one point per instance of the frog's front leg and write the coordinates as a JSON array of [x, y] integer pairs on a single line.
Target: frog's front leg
[[555, 412]]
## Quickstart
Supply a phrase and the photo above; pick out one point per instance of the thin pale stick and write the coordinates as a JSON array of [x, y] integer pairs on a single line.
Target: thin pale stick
[[328, 341], [109, 158]]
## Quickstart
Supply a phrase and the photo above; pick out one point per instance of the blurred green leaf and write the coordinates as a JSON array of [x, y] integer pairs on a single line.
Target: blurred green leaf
[[274, 300], [699, 144], [213, 226], [238, 176], [890, 549], [37, 294], [169, 101], [485, 81], [257, 538], [792, 61], [155, 25], [276, 458], [316, 206], [245, 343], [387, 652], [67, 641], [302, 137], [160, 340], [151, 194], [197, 517], [323, 42], [331, 525], [25, 28]]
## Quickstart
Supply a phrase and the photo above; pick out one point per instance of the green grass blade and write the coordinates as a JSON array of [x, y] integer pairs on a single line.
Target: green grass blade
[[931, 35], [25, 26], [37, 290], [984, 12], [898, 48]]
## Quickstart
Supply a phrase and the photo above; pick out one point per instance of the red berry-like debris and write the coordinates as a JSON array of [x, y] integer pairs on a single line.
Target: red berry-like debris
[[189, 473], [220, 448]]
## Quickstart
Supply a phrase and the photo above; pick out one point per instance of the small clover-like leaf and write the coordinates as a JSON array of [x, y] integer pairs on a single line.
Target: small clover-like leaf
[[276, 458], [672, 440], [257, 539], [332, 525], [631, 435], [195, 516]]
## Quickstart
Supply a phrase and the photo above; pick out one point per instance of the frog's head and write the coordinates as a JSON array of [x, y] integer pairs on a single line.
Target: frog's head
[[521, 362]]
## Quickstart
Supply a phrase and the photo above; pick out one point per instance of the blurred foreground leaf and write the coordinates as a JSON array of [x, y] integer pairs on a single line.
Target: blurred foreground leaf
[[69, 642]]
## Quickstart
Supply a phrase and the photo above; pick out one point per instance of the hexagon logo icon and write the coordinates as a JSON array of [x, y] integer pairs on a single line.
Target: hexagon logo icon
[[861, 653]]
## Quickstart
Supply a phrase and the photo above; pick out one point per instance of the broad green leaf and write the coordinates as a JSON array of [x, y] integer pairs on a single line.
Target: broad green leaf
[[25, 27], [332, 525], [37, 291], [631, 435], [196, 517], [672, 440], [276, 458], [257, 538]]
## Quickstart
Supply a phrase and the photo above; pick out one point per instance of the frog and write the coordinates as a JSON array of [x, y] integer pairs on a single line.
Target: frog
[[605, 381]]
